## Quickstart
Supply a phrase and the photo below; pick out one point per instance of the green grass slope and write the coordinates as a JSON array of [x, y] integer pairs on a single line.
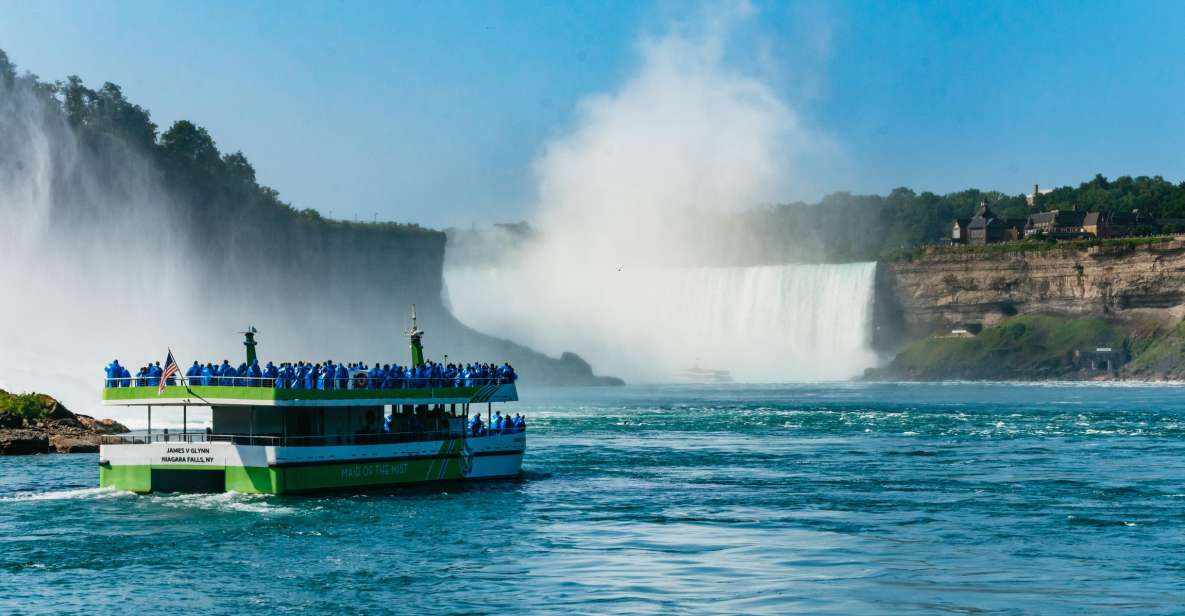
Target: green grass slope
[[1025, 347]]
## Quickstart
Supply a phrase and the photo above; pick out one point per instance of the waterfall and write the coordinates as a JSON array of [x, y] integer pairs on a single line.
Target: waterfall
[[765, 324]]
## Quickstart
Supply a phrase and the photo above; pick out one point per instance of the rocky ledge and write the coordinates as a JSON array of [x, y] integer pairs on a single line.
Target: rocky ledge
[[37, 423]]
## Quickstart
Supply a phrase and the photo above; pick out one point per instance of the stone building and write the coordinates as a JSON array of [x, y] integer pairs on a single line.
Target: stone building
[[958, 233], [1031, 199], [1056, 224], [1118, 224], [987, 228]]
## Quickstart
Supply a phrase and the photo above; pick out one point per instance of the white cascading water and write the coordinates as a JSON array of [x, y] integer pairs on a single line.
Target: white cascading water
[[764, 324]]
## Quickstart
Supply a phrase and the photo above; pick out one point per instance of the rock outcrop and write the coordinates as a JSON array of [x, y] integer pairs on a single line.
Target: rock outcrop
[[944, 288], [44, 425]]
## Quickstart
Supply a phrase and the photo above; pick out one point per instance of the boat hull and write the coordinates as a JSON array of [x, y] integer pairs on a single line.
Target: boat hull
[[258, 469]]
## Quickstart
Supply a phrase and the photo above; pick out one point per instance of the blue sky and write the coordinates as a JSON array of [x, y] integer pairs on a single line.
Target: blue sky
[[435, 112]]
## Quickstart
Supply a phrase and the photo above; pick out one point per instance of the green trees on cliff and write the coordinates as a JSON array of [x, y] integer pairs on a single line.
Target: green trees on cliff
[[1155, 195], [208, 184], [846, 227], [220, 189]]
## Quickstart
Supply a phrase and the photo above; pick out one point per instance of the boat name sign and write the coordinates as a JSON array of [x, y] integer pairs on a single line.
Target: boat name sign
[[187, 454]]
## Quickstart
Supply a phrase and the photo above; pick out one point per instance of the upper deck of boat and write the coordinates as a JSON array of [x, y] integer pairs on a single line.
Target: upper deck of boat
[[185, 394]]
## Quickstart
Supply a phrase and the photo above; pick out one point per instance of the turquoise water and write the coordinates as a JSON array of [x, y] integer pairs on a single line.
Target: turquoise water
[[831, 499]]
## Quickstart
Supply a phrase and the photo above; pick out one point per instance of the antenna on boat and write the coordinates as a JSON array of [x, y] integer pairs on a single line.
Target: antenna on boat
[[416, 335], [249, 342]]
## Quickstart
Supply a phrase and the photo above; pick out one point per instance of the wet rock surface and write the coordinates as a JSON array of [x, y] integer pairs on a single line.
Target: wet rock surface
[[40, 424]]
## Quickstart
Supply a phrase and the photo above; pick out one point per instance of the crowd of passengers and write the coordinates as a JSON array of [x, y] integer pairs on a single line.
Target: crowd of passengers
[[326, 376], [500, 424]]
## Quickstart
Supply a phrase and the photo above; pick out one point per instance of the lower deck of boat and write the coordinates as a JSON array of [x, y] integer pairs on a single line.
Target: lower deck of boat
[[211, 465]]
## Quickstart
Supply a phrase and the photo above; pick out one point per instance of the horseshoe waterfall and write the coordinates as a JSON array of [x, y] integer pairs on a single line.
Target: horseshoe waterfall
[[764, 324]]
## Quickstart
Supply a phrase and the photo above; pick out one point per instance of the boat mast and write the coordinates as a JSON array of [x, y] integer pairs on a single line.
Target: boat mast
[[417, 347], [250, 343]]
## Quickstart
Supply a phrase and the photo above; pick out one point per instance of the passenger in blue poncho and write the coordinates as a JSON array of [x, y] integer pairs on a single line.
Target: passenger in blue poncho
[[476, 426], [254, 374], [330, 375], [310, 377], [270, 372], [207, 375], [375, 377], [111, 370], [193, 374], [319, 376], [297, 380], [287, 376], [386, 370]]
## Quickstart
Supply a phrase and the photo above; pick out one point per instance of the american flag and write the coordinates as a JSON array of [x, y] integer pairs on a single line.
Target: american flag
[[170, 370]]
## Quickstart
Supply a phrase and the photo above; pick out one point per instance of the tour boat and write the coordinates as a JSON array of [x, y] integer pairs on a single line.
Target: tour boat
[[702, 375], [275, 440]]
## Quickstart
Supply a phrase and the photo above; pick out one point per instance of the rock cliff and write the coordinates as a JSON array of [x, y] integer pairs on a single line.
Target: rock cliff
[[943, 288], [1097, 310], [37, 423]]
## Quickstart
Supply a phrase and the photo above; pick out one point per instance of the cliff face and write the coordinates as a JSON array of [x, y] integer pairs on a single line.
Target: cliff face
[[944, 288]]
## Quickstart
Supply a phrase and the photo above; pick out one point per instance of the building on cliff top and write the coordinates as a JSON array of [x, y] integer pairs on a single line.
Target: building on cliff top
[[1031, 199], [987, 228], [1056, 224], [1118, 224], [958, 234]]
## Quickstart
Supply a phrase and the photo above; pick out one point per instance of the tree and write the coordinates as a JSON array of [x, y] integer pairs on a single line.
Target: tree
[[7, 69], [188, 144], [238, 168]]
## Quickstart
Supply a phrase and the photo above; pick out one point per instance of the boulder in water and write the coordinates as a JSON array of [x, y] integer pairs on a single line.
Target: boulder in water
[[73, 444]]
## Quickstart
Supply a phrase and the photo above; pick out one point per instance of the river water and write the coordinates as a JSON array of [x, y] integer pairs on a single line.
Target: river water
[[827, 498]]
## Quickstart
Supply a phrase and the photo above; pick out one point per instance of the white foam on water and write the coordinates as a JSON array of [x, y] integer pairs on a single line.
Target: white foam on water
[[79, 494], [225, 501]]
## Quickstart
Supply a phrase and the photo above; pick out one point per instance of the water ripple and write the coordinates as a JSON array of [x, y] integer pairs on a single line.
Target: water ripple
[[815, 498]]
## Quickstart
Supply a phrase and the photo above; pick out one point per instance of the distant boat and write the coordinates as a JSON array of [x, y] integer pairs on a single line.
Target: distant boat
[[702, 375]]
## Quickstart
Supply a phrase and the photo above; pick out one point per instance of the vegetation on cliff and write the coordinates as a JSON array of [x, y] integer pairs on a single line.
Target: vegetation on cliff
[[24, 408], [1039, 347], [219, 189], [36, 423], [1159, 357], [1022, 347], [1002, 248], [844, 227]]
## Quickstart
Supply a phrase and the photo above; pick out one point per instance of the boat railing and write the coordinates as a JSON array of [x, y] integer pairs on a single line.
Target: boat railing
[[357, 382], [158, 437], [328, 440]]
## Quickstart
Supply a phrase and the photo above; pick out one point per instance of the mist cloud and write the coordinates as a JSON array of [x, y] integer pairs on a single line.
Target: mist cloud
[[686, 132], [626, 202]]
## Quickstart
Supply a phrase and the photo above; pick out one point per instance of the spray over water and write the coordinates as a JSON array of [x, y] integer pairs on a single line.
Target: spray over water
[[108, 251], [622, 268]]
